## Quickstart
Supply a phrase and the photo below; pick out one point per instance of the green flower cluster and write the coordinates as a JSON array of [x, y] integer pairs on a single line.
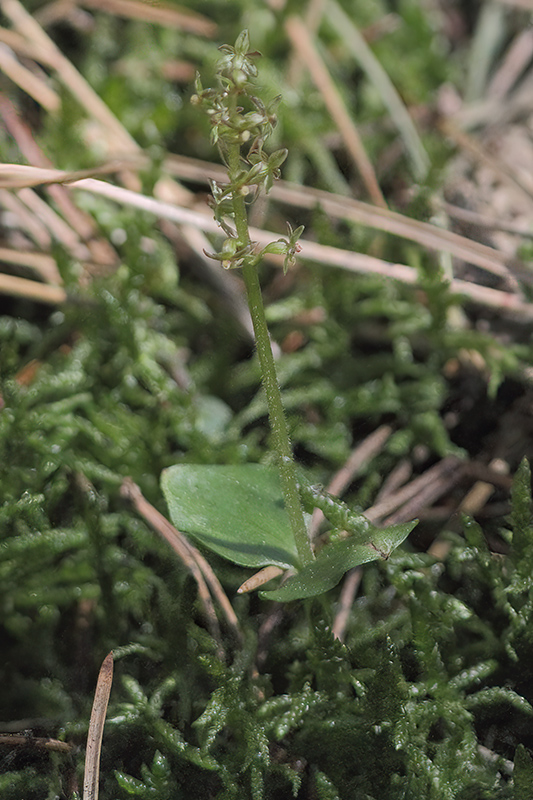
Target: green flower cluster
[[232, 127]]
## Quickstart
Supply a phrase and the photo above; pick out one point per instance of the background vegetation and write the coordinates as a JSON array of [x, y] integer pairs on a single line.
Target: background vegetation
[[404, 355]]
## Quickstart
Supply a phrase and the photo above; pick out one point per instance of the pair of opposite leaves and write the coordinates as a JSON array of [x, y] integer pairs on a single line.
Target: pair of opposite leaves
[[238, 512]]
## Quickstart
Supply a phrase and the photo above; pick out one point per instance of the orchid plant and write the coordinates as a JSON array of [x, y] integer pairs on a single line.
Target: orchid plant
[[251, 514]]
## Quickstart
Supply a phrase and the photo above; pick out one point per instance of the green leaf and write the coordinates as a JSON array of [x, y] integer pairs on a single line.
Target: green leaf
[[236, 511], [276, 159], [130, 785], [521, 513], [337, 558], [522, 774]]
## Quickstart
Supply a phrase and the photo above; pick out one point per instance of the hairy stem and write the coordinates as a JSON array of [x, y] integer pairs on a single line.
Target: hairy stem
[[276, 413]]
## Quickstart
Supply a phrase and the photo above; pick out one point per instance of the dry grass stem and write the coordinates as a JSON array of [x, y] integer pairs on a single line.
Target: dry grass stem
[[69, 76], [331, 256], [514, 63], [100, 250], [16, 176], [396, 478], [422, 489], [39, 742], [191, 557], [96, 729], [350, 586], [44, 265], [60, 230], [474, 501], [313, 17], [325, 255], [16, 42], [162, 14], [360, 456], [424, 233], [481, 491], [484, 221], [496, 113], [347, 31], [35, 86], [328, 256], [31, 290], [338, 207], [180, 546], [25, 219], [259, 579], [442, 477], [305, 47]]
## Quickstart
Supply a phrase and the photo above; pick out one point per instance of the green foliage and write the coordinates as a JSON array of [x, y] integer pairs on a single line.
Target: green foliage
[[337, 557], [430, 695], [522, 774], [232, 513], [378, 717], [156, 782], [238, 513], [235, 511]]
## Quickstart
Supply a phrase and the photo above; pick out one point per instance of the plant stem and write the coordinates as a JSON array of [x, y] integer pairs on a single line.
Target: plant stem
[[276, 413]]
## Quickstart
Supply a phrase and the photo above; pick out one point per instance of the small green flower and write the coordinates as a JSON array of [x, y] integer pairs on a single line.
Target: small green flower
[[232, 255], [287, 247], [237, 65], [231, 126]]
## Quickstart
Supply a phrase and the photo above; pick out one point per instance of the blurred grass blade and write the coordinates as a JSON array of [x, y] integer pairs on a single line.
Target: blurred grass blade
[[368, 62], [159, 13], [305, 47], [490, 30]]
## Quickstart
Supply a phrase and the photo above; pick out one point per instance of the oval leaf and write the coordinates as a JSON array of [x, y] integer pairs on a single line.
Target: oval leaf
[[236, 511], [337, 558]]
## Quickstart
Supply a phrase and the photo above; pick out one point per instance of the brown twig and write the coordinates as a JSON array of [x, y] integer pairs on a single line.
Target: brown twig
[[350, 586], [423, 490], [259, 579], [101, 251], [332, 256], [303, 43], [96, 729], [39, 742], [191, 557], [399, 475], [34, 85], [162, 14], [346, 208], [32, 290], [475, 499]]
